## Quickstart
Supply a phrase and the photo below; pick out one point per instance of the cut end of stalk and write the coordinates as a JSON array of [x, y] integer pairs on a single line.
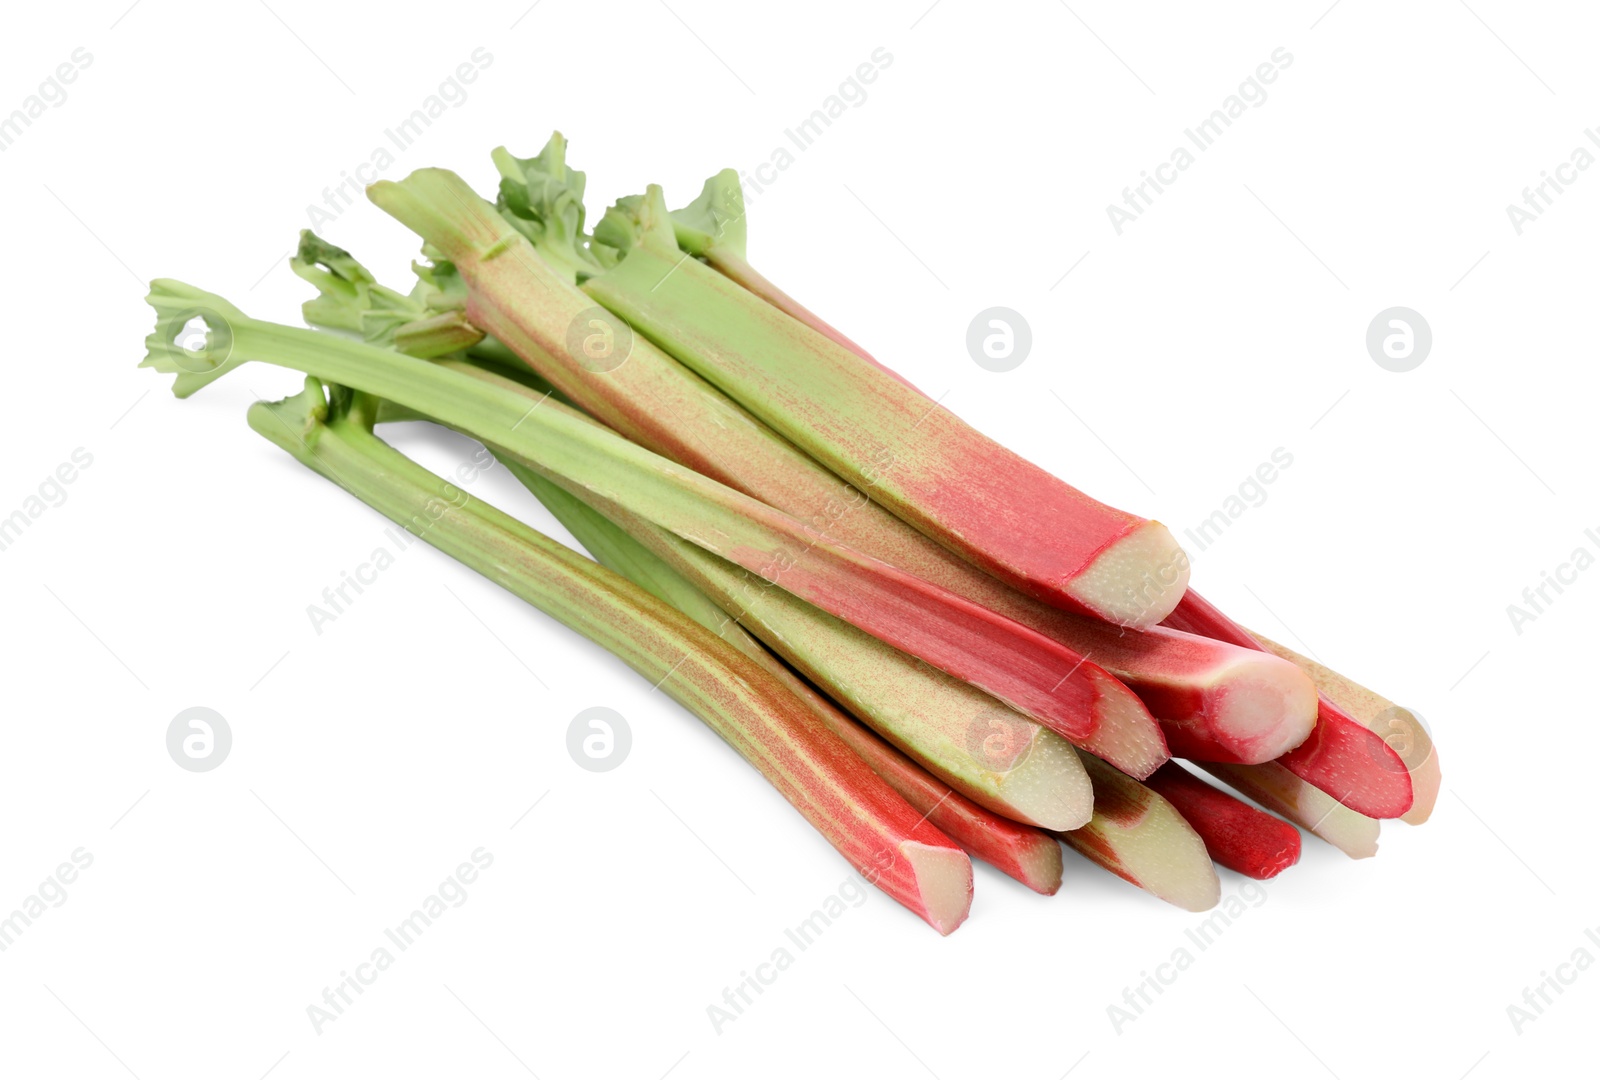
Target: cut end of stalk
[[943, 877], [1267, 708], [1039, 867], [1126, 734], [1314, 810], [1400, 729], [292, 423], [1136, 580], [1166, 858], [1049, 787], [1141, 837]]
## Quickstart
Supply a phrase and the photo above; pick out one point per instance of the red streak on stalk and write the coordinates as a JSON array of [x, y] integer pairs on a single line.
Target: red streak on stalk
[[1236, 834], [1342, 756]]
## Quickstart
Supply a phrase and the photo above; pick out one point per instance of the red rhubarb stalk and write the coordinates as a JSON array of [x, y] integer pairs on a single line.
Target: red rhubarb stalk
[[1236, 834], [1024, 852], [1398, 726], [1313, 809], [984, 502], [995, 756], [1140, 836], [865, 820], [1341, 756]]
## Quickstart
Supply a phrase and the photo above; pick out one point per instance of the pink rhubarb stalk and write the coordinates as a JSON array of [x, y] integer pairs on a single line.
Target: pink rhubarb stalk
[[1024, 852], [1141, 837], [1313, 809], [997, 757], [1341, 756], [1236, 834], [984, 502]]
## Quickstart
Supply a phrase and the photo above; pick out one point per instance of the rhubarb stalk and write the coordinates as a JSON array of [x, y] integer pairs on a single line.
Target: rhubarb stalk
[[651, 399], [1313, 809], [1236, 834], [1341, 756], [1021, 851], [991, 754], [984, 502], [1397, 726], [1141, 838], [865, 820], [1022, 668], [713, 228]]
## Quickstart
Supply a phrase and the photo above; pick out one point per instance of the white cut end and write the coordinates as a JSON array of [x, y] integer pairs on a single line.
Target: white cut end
[[1125, 733], [1040, 868], [1049, 788], [1425, 782], [1314, 810], [1169, 860], [1137, 580], [944, 883], [1266, 705]]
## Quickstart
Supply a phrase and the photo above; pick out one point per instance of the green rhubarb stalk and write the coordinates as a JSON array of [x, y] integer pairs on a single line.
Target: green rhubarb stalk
[[1019, 666], [1308, 806], [860, 815], [982, 501], [1141, 838], [1024, 852], [714, 228], [528, 303]]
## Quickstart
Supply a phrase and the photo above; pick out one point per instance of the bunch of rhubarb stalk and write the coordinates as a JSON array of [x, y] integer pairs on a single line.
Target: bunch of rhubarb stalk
[[931, 647]]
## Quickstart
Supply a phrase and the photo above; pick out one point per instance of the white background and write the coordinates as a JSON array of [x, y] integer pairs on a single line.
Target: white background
[[369, 760]]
